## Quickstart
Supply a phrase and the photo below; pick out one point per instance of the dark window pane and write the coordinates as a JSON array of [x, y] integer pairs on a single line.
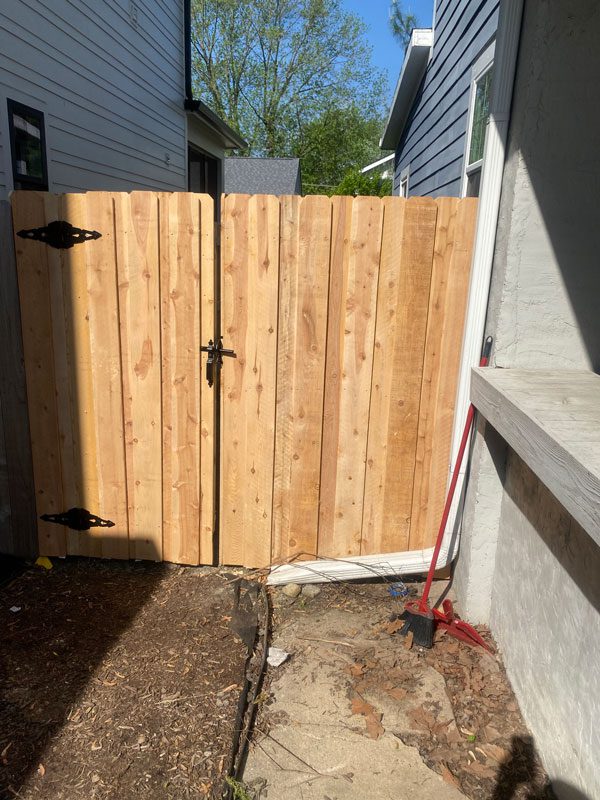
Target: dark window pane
[[473, 183], [202, 173], [481, 115], [28, 146]]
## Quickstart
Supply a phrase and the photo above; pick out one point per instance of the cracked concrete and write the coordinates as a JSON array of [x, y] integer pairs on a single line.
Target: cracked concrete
[[309, 746]]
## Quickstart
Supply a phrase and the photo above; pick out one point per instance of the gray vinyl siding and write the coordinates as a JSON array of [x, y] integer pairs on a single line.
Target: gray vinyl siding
[[433, 141], [111, 88]]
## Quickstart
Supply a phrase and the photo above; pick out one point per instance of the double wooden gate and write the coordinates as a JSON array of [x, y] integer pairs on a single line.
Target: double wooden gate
[[346, 317]]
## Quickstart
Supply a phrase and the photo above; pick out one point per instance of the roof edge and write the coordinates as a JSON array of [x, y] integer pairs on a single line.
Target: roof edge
[[378, 163], [414, 65], [231, 139]]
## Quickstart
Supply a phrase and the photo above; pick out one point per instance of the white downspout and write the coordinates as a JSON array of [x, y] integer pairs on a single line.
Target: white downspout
[[415, 562], [505, 62]]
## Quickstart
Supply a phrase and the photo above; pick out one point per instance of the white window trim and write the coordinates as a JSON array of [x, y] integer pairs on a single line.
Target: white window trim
[[483, 64], [404, 175]]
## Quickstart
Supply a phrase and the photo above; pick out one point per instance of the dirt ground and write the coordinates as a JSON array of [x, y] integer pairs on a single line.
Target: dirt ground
[[118, 680], [353, 703]]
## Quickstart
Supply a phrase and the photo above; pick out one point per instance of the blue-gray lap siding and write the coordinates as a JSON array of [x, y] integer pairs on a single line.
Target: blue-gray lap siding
[[433, 140]]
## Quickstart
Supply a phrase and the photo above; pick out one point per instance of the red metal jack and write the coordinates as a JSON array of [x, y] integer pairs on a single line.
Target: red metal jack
[[457, 627], [420, 619]]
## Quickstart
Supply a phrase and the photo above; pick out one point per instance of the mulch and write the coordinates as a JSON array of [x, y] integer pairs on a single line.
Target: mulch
[[498, 759], [483, 748], [118, 680], [486, 750]]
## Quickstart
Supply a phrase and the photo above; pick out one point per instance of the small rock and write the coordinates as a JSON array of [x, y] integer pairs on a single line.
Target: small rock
[[291, 590], [310, 590]]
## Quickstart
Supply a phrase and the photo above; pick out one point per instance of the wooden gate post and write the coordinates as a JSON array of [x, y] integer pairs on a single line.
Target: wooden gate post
[[18, 527]]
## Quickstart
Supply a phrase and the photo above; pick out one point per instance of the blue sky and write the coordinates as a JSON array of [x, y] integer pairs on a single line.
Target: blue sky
[[387, 53]]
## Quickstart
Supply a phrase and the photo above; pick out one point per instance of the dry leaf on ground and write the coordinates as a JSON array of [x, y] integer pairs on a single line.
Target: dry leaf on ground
[[449, 777], [373, 718], [374, 726], [395, 625]]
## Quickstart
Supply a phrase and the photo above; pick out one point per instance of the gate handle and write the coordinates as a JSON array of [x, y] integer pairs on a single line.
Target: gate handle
[[215, 358]]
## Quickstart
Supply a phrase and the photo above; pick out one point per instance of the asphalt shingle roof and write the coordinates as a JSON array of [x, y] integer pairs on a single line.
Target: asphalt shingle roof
[[262, 176]]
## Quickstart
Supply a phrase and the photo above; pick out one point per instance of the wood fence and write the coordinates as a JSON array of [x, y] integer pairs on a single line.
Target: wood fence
[[346, 316], [121, 418]]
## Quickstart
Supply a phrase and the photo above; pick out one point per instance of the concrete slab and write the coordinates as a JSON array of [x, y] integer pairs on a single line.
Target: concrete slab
[[310, 746]]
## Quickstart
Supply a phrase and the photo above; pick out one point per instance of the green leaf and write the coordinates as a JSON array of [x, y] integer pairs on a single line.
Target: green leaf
[[272, 68]]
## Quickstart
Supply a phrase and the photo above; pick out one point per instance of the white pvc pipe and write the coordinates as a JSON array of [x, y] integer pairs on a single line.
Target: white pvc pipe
[[352, 568]]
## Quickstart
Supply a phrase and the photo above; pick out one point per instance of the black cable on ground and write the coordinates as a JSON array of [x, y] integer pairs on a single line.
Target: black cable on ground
[[246, 711]]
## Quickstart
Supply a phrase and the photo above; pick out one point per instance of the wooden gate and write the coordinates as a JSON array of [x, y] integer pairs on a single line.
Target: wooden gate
[[121, 418], [346, 316]]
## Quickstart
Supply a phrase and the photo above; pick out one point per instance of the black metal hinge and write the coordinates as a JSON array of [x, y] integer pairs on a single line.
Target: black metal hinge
[[215, 358], [59, 234], [78, 519]]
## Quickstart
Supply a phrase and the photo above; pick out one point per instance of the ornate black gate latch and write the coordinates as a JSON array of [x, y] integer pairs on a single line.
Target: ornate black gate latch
[[215, 358], [78, 519]]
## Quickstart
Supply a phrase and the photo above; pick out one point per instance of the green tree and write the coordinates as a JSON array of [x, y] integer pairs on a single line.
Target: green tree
[[356, 183], [336, 142], [402, 23], [271, 67]]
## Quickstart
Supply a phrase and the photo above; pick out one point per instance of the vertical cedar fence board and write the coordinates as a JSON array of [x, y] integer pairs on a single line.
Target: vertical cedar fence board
[[353, 282], [121, 420], [402, 312], [454, 235], [303, 301], [347, 317], [250, 264]]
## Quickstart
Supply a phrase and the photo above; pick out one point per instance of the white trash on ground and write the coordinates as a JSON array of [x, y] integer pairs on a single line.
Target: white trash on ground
[[276, 657]]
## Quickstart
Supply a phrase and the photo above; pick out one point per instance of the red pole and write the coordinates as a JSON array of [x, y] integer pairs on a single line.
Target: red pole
[[485, 356]]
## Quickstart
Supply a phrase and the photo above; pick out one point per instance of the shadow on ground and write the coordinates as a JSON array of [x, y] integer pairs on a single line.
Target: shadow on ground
[[521, 769], [54, 634]]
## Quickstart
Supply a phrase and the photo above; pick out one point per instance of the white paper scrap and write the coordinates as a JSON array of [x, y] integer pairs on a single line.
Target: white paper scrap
[[276, 656]]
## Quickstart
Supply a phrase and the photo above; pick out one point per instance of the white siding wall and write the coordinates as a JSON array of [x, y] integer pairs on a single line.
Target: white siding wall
[[109, 77]]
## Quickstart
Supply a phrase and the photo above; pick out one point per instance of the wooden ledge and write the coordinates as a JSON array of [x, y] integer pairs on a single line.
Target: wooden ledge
[[552, 420]]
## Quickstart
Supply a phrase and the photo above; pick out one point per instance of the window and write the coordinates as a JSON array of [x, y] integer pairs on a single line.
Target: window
[[479, 117], [404, 182], [202, 172], [28, 147]]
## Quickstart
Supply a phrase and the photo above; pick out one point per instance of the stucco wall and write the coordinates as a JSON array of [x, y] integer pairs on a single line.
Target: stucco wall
[[546, 281], [545, 615], [474, 569], [525, 566]]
